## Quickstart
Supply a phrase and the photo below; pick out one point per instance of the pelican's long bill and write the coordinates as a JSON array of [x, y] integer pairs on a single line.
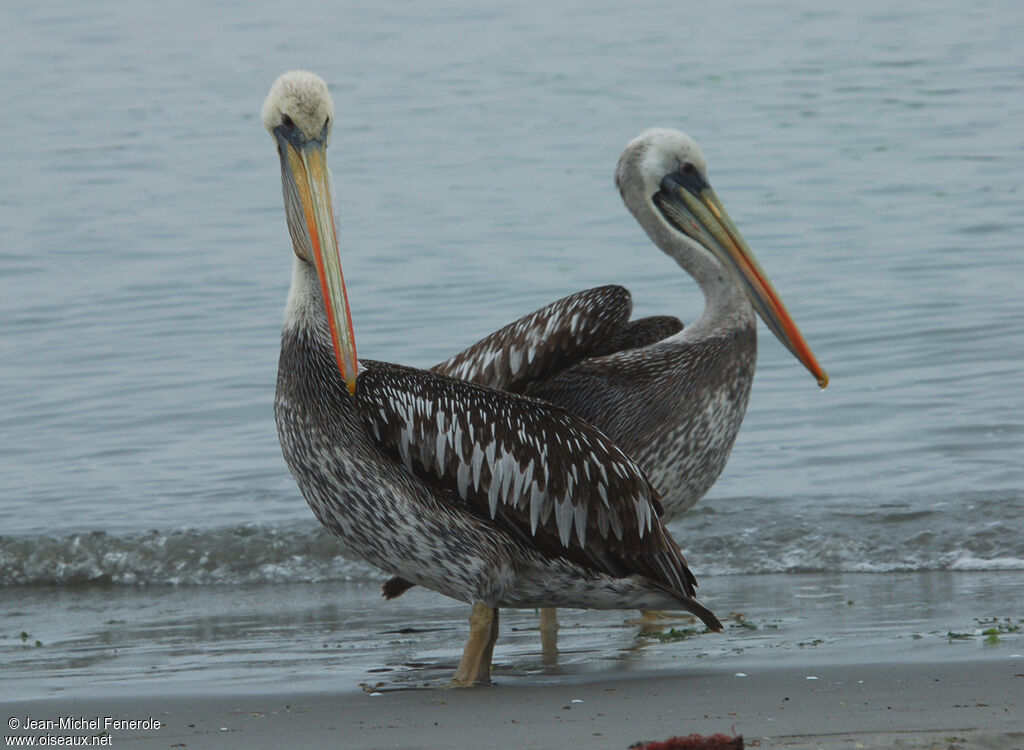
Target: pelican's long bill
[[310, 208], [687, 201]]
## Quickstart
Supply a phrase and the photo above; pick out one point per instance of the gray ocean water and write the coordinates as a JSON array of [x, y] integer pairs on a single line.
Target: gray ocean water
[[872, 155]]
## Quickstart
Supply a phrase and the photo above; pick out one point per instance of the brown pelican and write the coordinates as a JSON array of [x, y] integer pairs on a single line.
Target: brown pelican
[[489, 497], [671, 397]]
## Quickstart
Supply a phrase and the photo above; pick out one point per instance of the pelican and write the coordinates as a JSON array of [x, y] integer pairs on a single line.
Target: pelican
[[671, 397], [489, 497]]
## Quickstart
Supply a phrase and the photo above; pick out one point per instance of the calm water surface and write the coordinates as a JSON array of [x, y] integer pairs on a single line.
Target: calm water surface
[[872, 156]]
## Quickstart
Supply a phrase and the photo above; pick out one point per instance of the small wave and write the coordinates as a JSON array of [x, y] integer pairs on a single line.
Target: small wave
[[255, 553], [969, 562], [734, 536], [976, 532]]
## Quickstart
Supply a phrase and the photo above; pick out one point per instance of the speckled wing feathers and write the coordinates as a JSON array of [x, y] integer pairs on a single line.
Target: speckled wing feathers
[[529, 466], [546, 341], [638, 333]]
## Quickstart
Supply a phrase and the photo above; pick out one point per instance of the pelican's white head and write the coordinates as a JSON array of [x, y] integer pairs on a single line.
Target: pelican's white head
[[662, 176], [652, 155], [300, 99]]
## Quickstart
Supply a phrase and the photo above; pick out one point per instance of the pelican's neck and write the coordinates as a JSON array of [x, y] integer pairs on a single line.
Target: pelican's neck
[[304, 310], [726, 307]]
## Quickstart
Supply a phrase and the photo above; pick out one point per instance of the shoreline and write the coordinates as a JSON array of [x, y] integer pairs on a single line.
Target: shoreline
[[962, 703], [331, 637]]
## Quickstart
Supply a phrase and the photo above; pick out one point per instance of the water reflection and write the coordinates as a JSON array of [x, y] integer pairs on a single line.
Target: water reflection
[[336, 636]]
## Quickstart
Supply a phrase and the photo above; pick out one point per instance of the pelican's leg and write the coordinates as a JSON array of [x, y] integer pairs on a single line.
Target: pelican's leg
[[549, 635], [482, 625], [653, 615], [655, 619], [483, 672]]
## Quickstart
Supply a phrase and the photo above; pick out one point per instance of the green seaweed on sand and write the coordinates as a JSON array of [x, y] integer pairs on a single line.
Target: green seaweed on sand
[[996, 626], [990, 629], [739, 620], [24, 639]]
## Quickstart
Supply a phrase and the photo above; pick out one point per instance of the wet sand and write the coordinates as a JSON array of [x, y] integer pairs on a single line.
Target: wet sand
[[281, 666], [961, 703]]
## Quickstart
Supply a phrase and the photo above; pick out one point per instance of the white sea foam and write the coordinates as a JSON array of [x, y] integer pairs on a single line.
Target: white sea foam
[[304, 552], [969, 562], [255, 553]]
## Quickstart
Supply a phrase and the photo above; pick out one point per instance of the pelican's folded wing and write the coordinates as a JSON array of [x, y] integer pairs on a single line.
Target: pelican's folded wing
[[640, 332], [545, 342], [532, 468]]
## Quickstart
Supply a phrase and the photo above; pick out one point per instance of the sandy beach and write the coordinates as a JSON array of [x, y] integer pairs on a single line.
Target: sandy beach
[[976, 703]]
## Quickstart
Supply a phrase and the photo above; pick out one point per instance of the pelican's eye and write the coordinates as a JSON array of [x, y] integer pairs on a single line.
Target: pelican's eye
[[288, 122], [687, 168]]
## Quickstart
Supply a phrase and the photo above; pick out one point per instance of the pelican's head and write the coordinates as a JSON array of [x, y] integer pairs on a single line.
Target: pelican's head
[[665, 171], [298, 113], [299, 100]]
